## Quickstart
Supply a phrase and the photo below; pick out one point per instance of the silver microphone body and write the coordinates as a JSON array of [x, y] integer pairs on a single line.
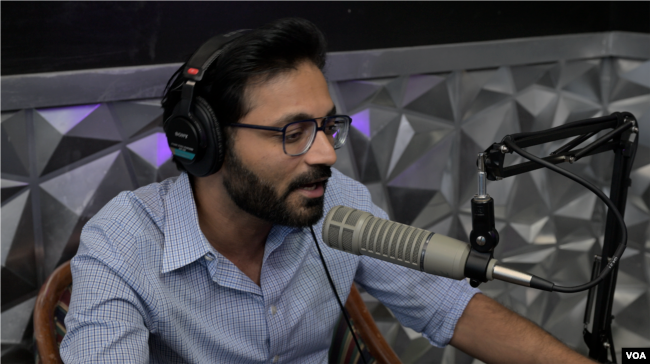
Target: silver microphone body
[[359, 232]]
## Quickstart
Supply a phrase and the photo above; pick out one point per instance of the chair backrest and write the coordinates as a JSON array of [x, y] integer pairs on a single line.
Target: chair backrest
[[344, 350], [45, 320]]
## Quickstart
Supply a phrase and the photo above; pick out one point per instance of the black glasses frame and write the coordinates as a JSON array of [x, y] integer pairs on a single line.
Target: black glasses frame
[[284, 129]]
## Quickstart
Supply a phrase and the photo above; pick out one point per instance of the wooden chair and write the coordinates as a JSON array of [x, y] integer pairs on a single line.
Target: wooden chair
[[51, 307], [48, 327], [343, 347]]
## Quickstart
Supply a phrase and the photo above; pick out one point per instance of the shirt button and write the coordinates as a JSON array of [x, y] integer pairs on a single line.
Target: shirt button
[[273, 311], [209, 257], [275, 359]]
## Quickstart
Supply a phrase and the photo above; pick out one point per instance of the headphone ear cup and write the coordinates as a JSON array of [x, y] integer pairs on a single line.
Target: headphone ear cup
[[213, 153]]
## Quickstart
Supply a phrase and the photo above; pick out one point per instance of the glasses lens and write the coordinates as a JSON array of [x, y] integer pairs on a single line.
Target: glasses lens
[[337, 129], [298, 136]]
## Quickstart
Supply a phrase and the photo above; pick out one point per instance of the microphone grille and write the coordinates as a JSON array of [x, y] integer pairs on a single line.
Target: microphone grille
[[347, 240], [393, 247], [373, 236], [366, 231], [333, 236], [414, 237], [402, 242], [387, 238], [340, 214], [352, 219], [416, 250]]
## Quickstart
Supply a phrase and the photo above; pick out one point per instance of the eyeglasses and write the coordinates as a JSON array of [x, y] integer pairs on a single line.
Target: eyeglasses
[[298, 136]]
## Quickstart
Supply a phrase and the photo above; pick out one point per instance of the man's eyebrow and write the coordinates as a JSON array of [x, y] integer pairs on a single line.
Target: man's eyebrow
[[298, 117]]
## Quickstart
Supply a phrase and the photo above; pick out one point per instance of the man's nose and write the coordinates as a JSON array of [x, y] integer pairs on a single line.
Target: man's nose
[[321, 151]]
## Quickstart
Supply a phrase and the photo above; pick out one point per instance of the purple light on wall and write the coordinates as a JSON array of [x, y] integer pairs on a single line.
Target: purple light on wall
[[152, 148], [164, 153], [361, 122], [64, 119]]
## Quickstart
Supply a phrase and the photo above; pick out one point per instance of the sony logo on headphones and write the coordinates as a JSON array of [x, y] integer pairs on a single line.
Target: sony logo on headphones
[[181, 135]]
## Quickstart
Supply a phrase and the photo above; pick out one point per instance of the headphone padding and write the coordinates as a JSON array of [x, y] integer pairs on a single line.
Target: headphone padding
[[214, 149]]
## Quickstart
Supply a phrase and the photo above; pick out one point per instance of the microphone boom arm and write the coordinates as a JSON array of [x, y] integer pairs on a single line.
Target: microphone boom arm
[[624, 126]]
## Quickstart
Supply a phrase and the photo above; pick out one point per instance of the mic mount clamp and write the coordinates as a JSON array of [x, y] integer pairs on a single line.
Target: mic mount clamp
[[484, 236]]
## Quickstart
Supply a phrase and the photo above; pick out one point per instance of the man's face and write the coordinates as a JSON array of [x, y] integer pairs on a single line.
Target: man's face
[[259, 177]]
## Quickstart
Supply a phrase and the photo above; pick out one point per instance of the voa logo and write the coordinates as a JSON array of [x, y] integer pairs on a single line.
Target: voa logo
[[635, 355]]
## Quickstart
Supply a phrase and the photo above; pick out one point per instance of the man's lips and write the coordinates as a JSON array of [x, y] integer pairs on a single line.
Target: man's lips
[[309, 187], [313, 189], [312, 185]]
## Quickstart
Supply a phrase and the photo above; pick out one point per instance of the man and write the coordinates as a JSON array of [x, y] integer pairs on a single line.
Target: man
[[223, 268]]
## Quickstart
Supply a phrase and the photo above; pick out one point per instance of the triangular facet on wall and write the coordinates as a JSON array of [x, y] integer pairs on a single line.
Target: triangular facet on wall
[[524, 76], [58, 223], [639, 74], [21, 258], [423, 163], [355, 93], [11, 188], [586, 85], [153, 148], [12, 214], [15, 159], [417, 85], [137, 117], [99, 124], [75, 188], [63, 119], [73, 149], [408, 202], [435, 102], [15, 321]]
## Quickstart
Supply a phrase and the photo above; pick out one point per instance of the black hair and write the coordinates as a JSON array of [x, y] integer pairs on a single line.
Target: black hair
[[258, 55]]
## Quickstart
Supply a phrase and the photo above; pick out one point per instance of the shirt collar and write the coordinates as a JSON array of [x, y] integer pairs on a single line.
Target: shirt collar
[[184, 241]]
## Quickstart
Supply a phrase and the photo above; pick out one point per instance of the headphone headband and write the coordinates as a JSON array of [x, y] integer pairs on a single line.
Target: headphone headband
[[206, 54]]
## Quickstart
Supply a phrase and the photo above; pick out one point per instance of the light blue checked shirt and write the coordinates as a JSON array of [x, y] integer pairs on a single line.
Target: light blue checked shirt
[[148, 287]]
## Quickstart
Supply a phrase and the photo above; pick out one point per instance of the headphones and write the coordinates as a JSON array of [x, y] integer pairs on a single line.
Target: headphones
[[193, 132]]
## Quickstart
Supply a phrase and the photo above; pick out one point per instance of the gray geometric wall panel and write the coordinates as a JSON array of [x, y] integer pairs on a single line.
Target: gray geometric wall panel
[[138, 117], [66, 135], [15, 321], [10, 188], [70, 199], [413, 144], [15, 158], [18, 260], [152, 159], [76, 160]]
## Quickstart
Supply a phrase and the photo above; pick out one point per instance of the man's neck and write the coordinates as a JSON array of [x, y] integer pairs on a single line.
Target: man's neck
[[237, 235]]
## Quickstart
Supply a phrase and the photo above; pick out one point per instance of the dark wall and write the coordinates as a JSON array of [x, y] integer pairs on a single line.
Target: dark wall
[[58, 36]]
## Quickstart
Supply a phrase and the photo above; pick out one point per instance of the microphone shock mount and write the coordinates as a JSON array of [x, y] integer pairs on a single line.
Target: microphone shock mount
[[484, 236]]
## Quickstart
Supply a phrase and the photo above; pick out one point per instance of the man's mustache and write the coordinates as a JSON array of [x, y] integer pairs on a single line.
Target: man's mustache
[[317, 172]]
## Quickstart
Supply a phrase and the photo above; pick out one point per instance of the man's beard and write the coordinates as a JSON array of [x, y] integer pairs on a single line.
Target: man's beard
[[260, 199]]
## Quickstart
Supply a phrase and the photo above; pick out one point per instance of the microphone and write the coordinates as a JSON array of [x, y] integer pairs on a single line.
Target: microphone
[[359, 232]]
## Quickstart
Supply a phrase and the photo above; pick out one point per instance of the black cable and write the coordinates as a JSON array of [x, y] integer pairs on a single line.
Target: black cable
[[622, 244], [345, 314]]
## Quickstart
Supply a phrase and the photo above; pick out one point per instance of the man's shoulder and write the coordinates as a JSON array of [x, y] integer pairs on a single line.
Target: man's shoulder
[[342, 183], [344, 190], [132, 210]]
